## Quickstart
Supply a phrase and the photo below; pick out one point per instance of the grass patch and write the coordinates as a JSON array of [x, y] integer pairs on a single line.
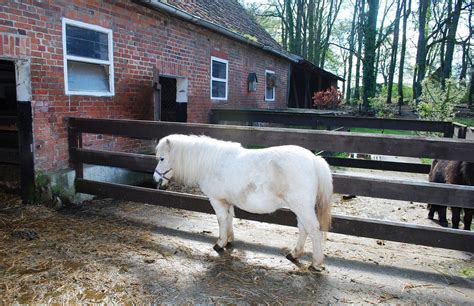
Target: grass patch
[[379, 131], [465, 121], [426, 161], [342, 155]]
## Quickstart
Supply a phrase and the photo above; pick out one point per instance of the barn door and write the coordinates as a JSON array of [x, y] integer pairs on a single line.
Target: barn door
[[156, 95]]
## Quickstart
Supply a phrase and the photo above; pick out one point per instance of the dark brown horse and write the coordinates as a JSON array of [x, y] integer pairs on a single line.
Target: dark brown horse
[[452, 172]]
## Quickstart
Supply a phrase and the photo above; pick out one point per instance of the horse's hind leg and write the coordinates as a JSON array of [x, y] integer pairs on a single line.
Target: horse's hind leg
[[443, 221], [456, 216], [299, 248], [468, 218], [432, 209], [311, 225]]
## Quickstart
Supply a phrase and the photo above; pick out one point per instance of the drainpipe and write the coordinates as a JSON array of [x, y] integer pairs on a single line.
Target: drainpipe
[[157, 4]]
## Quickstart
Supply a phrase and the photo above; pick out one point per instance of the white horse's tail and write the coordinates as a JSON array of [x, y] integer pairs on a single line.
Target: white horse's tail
[[324, 193]]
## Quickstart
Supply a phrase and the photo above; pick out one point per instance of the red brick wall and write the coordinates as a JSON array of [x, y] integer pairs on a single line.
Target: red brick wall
[[142, 38]]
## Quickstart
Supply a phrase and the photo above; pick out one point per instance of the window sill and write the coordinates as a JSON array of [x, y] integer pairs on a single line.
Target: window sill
[[90, 93]]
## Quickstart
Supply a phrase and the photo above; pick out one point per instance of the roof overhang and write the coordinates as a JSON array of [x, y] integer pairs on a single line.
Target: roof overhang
[[307, 65], [176, 12]]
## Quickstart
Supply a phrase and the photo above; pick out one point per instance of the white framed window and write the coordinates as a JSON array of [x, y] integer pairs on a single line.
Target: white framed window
[[219, 78], [269, 85], [88, 59]]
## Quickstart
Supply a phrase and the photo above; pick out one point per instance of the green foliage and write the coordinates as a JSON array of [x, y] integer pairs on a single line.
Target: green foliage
[[407, 92], [380, 107], [379, 131], [438, 104], [426, 161], [341, 154]]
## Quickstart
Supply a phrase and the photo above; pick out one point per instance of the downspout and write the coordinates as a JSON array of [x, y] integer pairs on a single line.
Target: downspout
[[157, 4]]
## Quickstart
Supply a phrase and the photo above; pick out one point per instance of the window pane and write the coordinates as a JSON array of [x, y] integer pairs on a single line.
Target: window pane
[[86, 43], [219, 70], [87, 77], [269, 93], [218, 89]]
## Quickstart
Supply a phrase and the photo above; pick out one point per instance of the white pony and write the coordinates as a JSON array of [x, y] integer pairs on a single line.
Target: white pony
[[255, 180]]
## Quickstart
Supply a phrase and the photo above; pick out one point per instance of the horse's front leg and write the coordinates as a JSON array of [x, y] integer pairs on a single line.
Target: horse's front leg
[[221, 209], [230, 228]]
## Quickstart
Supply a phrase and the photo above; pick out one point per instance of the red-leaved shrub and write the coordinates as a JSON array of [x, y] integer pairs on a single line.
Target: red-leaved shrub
[[330, 98]]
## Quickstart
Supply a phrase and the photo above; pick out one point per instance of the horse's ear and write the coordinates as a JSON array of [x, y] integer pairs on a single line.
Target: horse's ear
[[168, 145]]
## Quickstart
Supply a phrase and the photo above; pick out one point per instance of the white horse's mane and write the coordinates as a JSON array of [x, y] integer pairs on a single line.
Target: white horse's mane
[[191, 155]]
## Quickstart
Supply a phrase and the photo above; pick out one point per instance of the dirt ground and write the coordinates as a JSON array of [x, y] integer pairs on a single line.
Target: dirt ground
[[108, 251]]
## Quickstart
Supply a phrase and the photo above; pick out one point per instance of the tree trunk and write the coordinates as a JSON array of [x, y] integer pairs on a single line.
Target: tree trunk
[[450, 42], [407, 11], [331, 18], [393, 58], [311, 30], [360, 37], [420, 68], [291, 26], [351, 47], [380, 35], [471, 88], [299, 26], [318, 34], [369, 81]]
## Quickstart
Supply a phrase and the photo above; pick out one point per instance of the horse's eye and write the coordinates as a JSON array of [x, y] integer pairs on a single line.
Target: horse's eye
[[161, 158]]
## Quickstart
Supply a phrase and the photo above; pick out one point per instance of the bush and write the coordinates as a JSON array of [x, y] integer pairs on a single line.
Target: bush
[[381, 108], [438, 104], [330, 98]]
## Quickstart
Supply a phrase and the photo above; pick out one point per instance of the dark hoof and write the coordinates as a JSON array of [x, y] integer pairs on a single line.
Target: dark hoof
[[291, 258], [430, 217], [218, 249], [313, 269], [229, 246], [444, 224]]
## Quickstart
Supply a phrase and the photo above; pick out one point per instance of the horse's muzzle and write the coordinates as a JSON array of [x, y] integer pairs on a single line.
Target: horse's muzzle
[[160, 186]]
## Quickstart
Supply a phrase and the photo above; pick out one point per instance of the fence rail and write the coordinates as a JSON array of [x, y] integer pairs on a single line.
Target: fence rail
[[311, 118], [461, 196]]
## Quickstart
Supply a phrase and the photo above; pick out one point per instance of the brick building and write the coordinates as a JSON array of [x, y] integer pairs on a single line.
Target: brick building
[[98, 59]]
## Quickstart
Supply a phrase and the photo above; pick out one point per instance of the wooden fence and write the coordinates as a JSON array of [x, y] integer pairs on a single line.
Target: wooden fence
[[313, 119], [344, 183]]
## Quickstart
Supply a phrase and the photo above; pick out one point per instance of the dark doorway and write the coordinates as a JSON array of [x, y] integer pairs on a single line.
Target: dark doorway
[[9, 144], [8, 105], [168, 99], [171, 110]]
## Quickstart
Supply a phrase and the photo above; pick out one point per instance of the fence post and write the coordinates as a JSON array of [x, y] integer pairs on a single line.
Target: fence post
[[74, 142], [460, 130]]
